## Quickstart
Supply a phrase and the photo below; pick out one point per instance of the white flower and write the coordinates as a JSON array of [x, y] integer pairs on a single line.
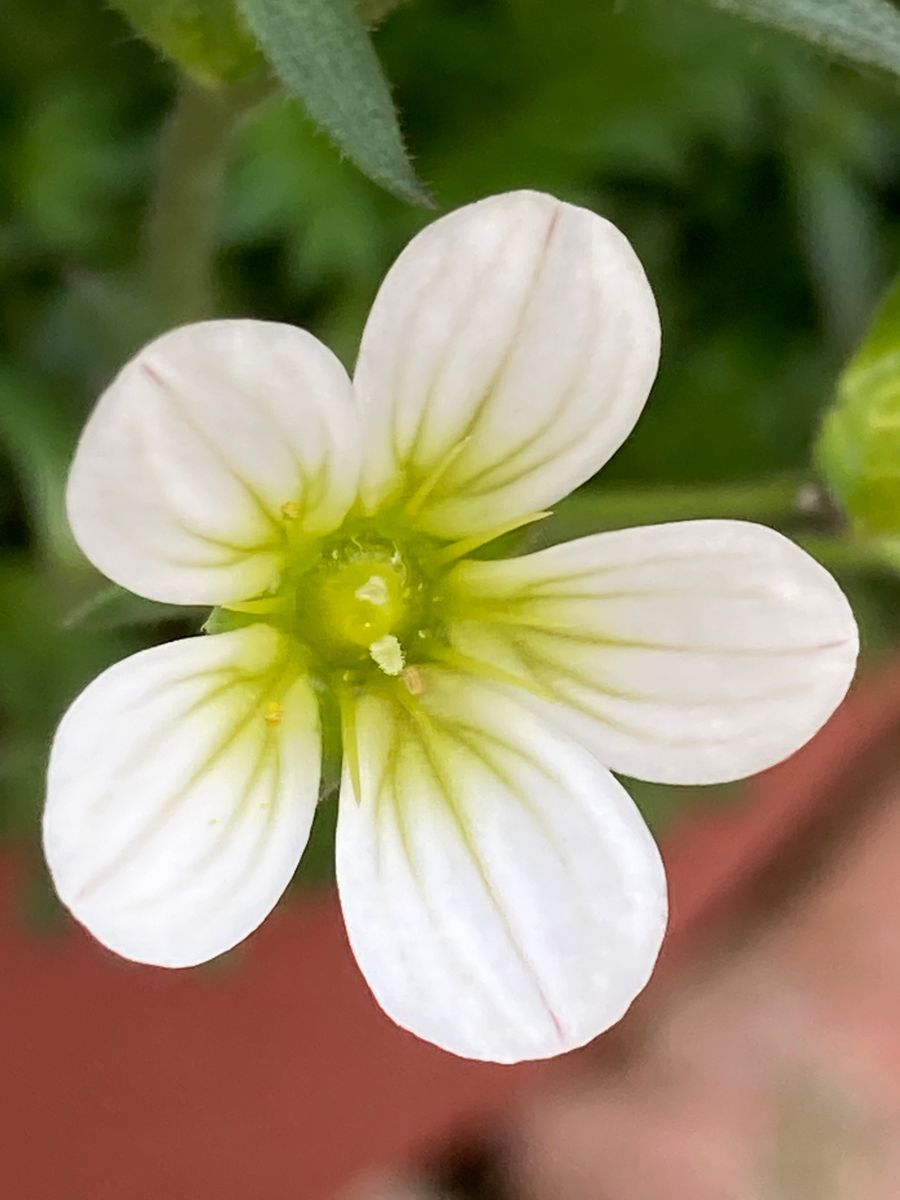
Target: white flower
[[502, 895]]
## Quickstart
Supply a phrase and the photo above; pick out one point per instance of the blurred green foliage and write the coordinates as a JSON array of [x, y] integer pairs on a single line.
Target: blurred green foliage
[[759, 183]]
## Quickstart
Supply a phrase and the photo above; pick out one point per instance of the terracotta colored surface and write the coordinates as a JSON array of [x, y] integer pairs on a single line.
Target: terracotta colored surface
[[271, 1078], [772, 1069], [276, 1076], [712, 860]]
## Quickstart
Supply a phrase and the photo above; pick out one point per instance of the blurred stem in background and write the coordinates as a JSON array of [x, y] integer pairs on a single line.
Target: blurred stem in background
[[846, 555], [181, 234], [776, 500], [788, 501]]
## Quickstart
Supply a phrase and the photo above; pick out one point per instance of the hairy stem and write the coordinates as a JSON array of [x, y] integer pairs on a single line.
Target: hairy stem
[[846, 556], [777, 500], [781, 501]]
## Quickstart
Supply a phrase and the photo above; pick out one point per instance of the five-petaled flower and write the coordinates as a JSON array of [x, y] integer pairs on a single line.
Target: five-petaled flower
[[501, 892]]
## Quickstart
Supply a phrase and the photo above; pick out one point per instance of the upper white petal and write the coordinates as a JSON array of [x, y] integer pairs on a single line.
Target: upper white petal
[[695, 652], [501, 892], [176, 813], [508, 354], [179, 478]]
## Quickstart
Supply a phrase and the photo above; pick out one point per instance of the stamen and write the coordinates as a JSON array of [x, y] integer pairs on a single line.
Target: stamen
[[388, 654], [291, 511], [274, 713], [415, 684]]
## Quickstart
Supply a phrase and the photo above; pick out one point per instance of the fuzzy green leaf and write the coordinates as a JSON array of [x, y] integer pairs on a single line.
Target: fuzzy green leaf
[[865, 32], [322, 52]]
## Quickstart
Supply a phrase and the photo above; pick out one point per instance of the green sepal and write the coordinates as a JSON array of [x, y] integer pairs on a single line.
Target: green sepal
[[207, 38], [223, 620], [858, 449]]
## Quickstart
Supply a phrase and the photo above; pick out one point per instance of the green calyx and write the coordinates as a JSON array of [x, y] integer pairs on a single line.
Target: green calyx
[[859, 447]]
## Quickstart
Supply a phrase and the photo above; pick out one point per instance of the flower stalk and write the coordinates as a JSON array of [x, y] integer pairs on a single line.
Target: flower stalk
[[180, 235], [779, 500]]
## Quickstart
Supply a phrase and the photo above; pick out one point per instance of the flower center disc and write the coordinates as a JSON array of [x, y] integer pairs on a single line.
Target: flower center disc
[[354, 599], [363, 601]]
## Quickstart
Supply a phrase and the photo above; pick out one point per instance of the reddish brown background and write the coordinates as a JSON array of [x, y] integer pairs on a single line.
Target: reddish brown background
[[274, 1075]]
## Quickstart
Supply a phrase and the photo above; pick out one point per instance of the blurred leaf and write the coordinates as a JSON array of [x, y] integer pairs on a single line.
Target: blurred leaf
[[205, 37], [38, 438], [115, 608], [324, 56], [112, 318], [838, 227], [287, 181], [44, 668], [879, 354], [866, 32], [70, 166]]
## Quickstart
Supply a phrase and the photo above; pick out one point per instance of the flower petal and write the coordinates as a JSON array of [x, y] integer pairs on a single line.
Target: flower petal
[[507, 356], [695, 652], [177, 487], [502, 895], [181, 789]]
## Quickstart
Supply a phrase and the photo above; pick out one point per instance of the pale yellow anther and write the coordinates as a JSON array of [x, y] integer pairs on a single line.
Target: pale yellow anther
[[273, 714], [387, 653], [412, 677], [373, 591], [291, 511]]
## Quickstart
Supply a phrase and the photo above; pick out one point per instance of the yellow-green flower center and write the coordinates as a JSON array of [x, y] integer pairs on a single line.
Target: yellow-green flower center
[[360, 602], [371, 600]]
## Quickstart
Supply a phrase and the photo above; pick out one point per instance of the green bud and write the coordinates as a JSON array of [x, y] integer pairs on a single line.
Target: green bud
[[207, 38], [859, 446]]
